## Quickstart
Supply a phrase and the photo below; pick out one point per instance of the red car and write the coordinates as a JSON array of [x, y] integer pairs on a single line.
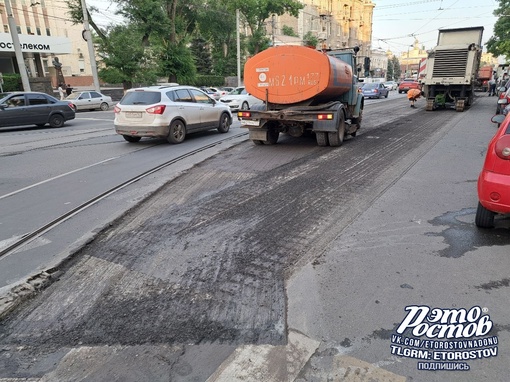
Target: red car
[[408, 83], [494, 179]]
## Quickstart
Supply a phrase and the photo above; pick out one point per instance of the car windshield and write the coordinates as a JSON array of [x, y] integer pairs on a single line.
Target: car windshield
[[3, 96], [238, 91], [369, 86], [141, 98]]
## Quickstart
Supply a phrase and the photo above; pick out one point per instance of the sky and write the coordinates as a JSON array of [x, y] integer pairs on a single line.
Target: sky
[[396, 23]]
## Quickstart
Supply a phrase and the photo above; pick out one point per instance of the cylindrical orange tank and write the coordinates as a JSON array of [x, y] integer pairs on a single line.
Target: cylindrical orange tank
[[294, 74]]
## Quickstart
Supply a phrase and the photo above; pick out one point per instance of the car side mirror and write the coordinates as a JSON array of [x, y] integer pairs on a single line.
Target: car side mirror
[[502, 89], [502, 101], [498, 118], [3, 106]]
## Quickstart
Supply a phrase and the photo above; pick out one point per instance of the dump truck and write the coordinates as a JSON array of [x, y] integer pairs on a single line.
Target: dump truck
[[452, 67], [483, 77], [302, 90]]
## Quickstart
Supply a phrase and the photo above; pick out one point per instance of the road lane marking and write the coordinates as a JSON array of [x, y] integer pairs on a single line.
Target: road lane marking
[[55, 177]]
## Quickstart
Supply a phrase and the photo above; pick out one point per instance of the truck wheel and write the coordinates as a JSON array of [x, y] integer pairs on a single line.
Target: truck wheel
[[322, 138], [459, 105], [337, 138], [484, 218], [272, 136]]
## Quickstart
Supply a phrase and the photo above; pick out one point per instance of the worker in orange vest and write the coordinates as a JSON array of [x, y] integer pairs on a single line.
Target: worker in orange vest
[[413, 95]]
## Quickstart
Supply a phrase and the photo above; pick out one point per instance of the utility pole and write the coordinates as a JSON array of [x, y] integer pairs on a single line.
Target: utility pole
[[17, 47], [88, 37], [238, 49]]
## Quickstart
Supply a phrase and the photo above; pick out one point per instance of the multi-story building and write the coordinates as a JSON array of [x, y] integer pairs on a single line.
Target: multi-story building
[[410, 60], [45, 33], [336, 23]]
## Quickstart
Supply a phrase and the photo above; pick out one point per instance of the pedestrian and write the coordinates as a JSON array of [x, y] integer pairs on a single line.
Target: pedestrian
[[413, 95], [492, 87], [61, 91], [69, 89]]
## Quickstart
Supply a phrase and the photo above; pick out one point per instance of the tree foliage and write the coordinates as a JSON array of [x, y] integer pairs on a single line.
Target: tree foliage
[[201, 55], [125, 62], [499, 43], [256, 12], [157, 36], [216, 22], [310, 39], [393, 70], [289, 31]]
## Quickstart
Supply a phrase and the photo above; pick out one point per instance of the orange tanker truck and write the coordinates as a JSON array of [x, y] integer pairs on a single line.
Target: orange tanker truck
[[302, 90]]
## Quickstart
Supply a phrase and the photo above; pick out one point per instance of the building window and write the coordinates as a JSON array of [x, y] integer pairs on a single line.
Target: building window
[[38, 31], [18, 28], [81, 65], [48, 33], [6, 28], [29, 30]]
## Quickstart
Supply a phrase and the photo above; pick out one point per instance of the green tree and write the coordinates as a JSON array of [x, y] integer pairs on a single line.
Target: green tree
[[201, 55], [289, 31], [256, 12], [309, 39], [499, 43], [76, 16], [124, 62], [216, 22], [393, 71]]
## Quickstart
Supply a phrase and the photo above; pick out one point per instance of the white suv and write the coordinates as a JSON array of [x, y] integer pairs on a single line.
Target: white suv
[[169, 112]]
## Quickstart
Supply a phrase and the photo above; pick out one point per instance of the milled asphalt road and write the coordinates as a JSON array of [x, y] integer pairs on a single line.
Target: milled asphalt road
[[416, 245], [330, 318]]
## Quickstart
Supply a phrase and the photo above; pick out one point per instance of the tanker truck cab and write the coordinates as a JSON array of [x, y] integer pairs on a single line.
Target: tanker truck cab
[[320, 95]]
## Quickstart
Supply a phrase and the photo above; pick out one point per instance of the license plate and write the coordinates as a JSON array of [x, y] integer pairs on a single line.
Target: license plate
[[133, 114], [250, 122]]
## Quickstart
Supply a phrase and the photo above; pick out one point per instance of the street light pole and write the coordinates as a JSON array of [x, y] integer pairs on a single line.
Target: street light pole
[[17, 47], [92, 55]]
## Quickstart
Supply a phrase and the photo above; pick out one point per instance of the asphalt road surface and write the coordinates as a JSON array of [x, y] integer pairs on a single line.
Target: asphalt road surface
[[290, 262]]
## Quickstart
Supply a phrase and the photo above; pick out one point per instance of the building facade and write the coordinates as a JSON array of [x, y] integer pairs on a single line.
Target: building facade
[[336, 23], [46, 33]]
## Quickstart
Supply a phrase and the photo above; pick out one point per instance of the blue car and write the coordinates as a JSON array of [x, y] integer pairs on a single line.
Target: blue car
[[375, 90]]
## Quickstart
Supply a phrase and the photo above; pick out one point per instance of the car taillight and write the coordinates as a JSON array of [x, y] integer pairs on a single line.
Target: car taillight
[[116, 109], [71, 106], [243, 114], [323, 117], [159, 109], [503, 147]]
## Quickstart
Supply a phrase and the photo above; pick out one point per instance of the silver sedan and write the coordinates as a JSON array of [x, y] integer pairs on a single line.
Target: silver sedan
[[90, 100]]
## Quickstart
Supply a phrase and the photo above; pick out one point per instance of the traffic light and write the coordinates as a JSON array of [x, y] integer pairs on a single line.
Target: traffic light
[[366, 66]]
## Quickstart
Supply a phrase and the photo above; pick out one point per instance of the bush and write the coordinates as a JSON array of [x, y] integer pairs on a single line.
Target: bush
[[216, 81], [12, 82]]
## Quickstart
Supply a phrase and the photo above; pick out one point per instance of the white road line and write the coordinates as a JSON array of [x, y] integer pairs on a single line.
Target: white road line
[[55, 177]]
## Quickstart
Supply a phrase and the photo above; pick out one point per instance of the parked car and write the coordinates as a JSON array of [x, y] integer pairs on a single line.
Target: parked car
[[391, 85], [227, 89], [494, 179], [33, 108], [408, 83], [374, 90], [239, 98], [90, 100], [169, 112]]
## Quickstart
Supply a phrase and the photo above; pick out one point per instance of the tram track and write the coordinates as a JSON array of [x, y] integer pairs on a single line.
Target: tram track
[[30, 236]]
